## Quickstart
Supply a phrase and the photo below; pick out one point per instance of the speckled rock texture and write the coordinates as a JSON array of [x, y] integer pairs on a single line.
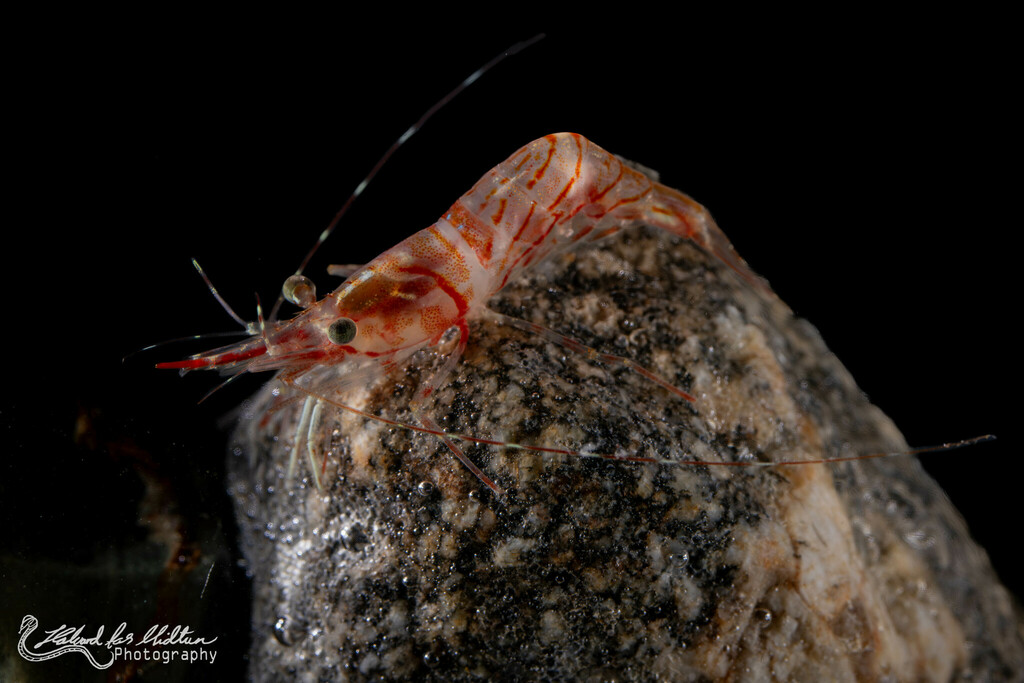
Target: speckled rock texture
[[405, 567]]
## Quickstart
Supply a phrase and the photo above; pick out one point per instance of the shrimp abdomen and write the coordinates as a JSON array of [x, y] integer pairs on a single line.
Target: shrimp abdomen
[[562, 190]]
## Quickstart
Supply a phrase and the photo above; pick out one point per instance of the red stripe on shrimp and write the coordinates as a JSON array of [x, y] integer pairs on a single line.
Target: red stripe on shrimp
[[461, 300], [539, 173], [478, 235], [575, 176]]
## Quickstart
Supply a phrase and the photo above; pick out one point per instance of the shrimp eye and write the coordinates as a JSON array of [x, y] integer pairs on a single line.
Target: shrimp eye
[[342, 331], [300, 290]]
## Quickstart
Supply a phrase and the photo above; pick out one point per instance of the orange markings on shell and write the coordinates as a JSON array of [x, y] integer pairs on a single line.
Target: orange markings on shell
[[433, 320], [598, 196], [444, 257], [393, 327], [575, 176], [478, 235], [582, 233], [496, 218], [461, 298], [539, 173], [377, 294]]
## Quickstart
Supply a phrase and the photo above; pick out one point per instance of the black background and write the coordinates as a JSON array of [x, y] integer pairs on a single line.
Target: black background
[[869, 172]]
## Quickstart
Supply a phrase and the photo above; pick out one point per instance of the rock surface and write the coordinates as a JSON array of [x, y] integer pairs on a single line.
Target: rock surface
[[407, 568]]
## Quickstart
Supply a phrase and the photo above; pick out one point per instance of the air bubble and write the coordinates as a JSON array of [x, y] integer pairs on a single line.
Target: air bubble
[[281, 631], [680, 559]]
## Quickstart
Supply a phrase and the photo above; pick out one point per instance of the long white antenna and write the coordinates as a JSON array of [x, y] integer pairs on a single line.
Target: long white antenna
[[518, 47]]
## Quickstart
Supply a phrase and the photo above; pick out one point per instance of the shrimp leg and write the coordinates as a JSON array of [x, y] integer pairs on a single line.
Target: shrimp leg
[[588, 352], [309, 422], [428, 387]]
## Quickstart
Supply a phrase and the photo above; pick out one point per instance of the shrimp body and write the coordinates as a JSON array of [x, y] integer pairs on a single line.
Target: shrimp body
[[562, 190], [552, 194]]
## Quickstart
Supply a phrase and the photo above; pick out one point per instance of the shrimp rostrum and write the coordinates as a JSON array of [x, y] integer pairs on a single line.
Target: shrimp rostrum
[[553, 194]]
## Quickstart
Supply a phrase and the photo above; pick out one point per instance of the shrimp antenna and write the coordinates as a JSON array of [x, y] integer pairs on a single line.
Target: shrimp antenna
[[220, 386], [259, 317], [178, 340], [208, 335], [550, 450], [220, 299], [518, 47], [262, 332]]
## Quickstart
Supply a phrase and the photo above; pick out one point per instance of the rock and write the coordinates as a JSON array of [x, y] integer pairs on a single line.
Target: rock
[[405, 567]]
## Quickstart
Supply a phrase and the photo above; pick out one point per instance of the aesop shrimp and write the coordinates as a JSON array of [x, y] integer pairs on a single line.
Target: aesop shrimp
[[550, 196]]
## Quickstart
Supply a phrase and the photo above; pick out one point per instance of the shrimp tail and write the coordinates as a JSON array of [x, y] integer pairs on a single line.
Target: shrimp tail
[[722, 248], [677, 213]]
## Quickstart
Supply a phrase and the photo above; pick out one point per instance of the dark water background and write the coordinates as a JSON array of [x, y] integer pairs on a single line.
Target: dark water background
[[866, 175]]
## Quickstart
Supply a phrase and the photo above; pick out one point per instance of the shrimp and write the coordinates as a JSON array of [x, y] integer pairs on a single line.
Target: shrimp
[[549, 197], [553, 194]]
